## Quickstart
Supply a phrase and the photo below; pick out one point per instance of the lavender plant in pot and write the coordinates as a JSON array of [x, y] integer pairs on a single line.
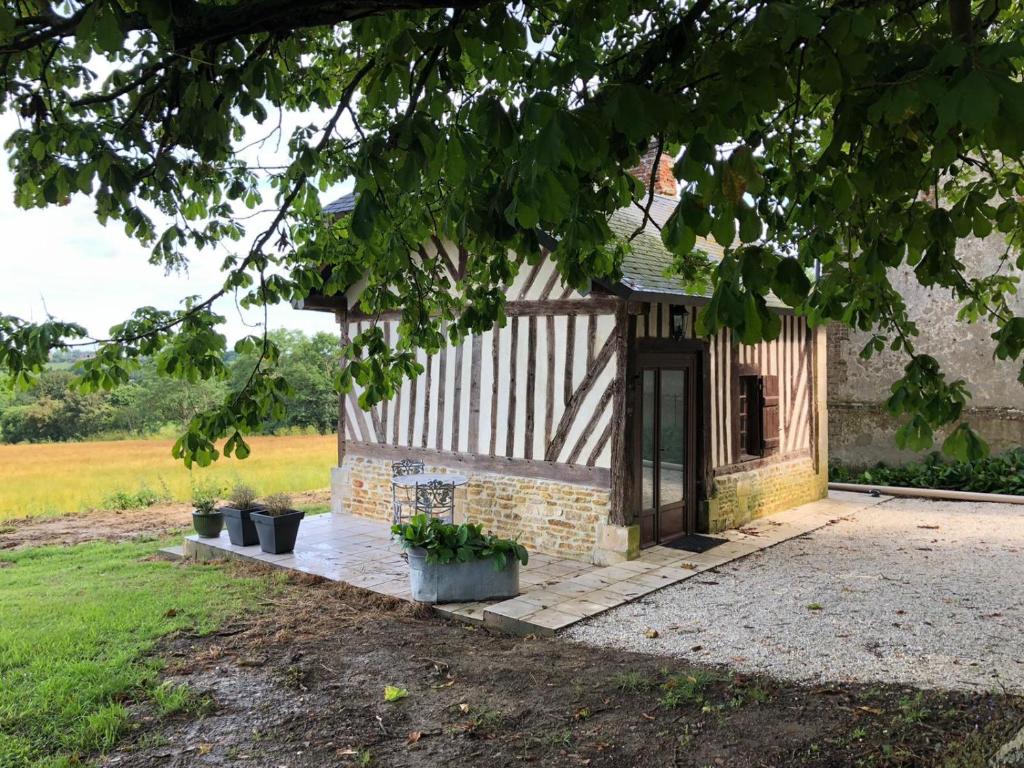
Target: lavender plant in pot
[[237, 515], [206, 518], [277, 524]]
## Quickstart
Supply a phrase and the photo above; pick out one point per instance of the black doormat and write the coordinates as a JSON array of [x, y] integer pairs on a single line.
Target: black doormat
[[695, 542]]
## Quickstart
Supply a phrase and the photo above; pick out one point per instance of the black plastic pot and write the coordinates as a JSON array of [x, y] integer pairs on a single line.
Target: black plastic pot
[[208, 524], [277, 532], [241, 528]]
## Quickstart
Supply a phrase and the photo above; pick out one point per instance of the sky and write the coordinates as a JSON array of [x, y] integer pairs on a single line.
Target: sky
[[61, 261]]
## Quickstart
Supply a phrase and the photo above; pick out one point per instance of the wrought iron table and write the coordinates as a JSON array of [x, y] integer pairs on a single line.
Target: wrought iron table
[[422, 478], [431, 492]]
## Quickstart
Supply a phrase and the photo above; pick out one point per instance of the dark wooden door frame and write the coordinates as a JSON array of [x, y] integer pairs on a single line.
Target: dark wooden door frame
[[668, 353], [700, 348], [666, 519]]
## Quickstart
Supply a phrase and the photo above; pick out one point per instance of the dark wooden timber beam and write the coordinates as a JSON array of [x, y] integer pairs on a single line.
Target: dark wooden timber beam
[[573, 474], [622, 473], [603, 305], [342, 317]]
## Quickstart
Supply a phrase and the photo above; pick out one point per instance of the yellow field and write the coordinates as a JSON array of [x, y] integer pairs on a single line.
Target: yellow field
[[57, 478]]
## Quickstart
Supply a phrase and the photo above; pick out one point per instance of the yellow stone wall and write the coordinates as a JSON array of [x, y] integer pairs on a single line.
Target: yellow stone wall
[[569, 520], [739, 497], [554, 518]]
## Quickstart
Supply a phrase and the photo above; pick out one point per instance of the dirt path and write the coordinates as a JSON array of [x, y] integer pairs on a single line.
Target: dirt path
[[158, 520], [302, 684]]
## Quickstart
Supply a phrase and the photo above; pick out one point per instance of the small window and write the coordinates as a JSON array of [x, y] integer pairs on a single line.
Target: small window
[[750, 417], [757, 416]]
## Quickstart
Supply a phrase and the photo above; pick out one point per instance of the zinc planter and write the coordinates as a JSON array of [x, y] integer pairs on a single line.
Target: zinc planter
[[241, 528], [460, 582], [208, 524], [277, 532]]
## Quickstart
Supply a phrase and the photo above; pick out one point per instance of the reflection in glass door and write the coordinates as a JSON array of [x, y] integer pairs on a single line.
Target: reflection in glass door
[[671, 453], [666, 465]]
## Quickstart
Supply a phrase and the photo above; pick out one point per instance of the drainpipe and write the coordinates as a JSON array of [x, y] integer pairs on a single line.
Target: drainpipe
[[928, 493]]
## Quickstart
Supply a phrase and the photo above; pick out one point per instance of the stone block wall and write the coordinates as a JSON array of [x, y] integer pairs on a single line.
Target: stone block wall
[[740, 497], [546, 516], [864, 434], [863, 431]]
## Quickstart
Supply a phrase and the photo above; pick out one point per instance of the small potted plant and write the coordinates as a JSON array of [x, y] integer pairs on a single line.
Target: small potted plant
[[277, 524], [241, 504], [458, 563], [206, 518]]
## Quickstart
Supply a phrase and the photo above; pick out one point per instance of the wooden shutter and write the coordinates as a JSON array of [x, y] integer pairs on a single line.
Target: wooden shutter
[[769, 415]]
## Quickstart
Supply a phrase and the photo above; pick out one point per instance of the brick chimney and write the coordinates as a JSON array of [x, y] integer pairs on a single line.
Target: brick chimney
[[664, 181]]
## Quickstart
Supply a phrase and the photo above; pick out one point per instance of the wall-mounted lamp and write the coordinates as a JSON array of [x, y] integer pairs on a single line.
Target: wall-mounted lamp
[[677, 322]]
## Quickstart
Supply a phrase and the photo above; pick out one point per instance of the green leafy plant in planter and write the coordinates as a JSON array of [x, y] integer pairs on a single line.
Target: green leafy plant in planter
[[445, 561], [449, 543], [206, 518], [242, 502], [277, 524]]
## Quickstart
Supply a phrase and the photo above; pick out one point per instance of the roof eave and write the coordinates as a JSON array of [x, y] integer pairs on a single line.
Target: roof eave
[[317, 302], [633, 293]]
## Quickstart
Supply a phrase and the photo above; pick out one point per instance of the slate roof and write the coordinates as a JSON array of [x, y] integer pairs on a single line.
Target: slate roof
[[344, 204], [643, 271]]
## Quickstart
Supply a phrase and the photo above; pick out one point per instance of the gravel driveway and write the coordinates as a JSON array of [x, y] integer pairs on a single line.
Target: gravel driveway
[[920, 592]]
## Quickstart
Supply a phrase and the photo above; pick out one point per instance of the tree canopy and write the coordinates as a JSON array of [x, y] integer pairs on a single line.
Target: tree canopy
[[845, 137], [55, 410]]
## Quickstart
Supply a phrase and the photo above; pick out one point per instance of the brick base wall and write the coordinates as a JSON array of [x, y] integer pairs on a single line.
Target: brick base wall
[[740, 497], [550, 517], [567, 520]]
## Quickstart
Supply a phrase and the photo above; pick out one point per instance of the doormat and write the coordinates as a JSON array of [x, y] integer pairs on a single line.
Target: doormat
[[695, 542]]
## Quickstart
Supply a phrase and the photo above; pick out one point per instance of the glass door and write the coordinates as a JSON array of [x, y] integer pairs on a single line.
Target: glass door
[[667, 438]]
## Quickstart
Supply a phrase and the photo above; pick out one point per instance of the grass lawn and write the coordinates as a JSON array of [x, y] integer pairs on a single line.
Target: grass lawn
[[57, 478], [77, 623]]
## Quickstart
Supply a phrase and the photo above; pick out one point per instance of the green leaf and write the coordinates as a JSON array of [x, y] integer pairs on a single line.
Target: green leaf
[[554, 200], [964, 444], [456, 165], [744, 164], [108, 33], [1010, 339], [915, 435], [751, 321], [979, 103], [700, 150], [676, 235], [7, 24], [364, 216], [527, 216], [842, 193], [393, 693], [750, 224], [724, 227], [791, 283], [973, 102]]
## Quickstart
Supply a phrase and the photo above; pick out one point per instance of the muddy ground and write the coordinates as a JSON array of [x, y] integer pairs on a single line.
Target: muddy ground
[[114, 525], [302, 683]]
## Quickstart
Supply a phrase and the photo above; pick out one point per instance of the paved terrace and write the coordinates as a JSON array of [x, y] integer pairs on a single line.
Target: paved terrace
[[556, 592]]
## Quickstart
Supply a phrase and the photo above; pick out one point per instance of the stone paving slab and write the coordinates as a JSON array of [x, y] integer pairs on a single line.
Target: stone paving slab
[[556, 592]]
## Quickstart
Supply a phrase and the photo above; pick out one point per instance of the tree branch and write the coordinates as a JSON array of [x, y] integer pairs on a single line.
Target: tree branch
[[194, 24]]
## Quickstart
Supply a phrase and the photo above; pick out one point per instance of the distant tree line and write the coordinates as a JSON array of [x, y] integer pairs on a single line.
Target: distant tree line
[[55, 411]]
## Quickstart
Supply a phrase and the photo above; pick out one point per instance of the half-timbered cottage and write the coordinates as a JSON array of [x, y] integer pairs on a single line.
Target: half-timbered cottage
[[592, 425]]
